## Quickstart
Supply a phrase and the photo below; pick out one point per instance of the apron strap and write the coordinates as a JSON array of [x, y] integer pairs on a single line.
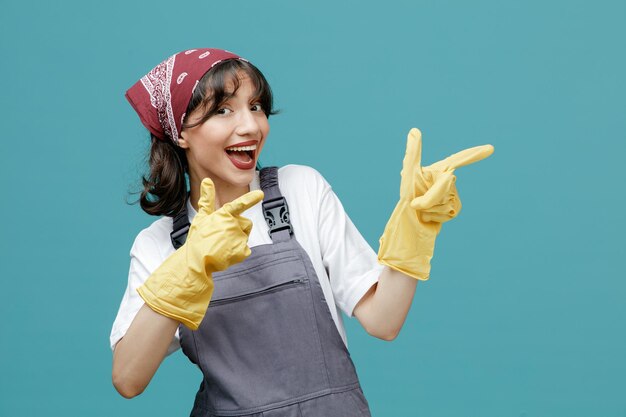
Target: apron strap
[[180, 228], [275, 209]]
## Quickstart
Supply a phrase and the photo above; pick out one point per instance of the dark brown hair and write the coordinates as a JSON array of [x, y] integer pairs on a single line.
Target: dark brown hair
[[165, 186]]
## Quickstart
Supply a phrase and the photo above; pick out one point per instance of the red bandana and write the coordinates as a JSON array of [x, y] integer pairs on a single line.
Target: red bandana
[[161, 97]]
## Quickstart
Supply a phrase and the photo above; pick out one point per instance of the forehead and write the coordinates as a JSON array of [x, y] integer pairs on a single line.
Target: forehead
[[234, 83]]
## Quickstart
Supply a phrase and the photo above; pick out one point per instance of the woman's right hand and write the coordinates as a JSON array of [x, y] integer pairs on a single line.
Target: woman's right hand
[[182, 286], [220, 238]]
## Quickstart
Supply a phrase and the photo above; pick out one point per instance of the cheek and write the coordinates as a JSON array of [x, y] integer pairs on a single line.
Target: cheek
[[260, 148], [213, 135], [265, 128], [266, 131]]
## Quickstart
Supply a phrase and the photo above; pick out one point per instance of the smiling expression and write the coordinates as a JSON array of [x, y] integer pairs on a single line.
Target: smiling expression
[[239, 121]]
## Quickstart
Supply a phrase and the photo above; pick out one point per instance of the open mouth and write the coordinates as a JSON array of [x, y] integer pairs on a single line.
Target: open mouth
[[242, 154]]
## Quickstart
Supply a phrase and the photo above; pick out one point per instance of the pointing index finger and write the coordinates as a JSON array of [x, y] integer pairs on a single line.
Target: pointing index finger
[[244, 202], [462, 158]]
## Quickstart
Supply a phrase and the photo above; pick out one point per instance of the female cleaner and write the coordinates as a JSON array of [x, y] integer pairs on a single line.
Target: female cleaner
[[272, 250]]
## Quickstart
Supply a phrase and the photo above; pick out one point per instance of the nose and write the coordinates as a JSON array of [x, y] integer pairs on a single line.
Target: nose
[[248, 125]]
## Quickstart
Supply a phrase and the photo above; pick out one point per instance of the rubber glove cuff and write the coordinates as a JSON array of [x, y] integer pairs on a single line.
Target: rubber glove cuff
[[407, 244], [180, 294]]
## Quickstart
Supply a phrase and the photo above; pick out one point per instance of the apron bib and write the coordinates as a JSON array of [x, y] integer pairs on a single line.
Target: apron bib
[[268, 345]]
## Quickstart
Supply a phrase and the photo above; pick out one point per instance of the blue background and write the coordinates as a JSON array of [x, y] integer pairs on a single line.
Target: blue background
[[525, 312]]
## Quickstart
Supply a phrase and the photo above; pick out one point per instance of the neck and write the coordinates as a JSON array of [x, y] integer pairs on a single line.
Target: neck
[[224, 192]]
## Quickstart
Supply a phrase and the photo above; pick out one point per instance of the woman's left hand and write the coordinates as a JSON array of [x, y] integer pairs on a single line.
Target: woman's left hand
[[428, 198]]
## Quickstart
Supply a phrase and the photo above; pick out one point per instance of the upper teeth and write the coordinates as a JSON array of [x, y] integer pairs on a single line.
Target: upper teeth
[[242, 148]]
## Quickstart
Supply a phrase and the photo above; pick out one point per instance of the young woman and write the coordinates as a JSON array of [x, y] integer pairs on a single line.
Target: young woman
[[272, 250]]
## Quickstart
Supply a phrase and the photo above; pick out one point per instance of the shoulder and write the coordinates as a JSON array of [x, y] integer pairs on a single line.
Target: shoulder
[[154, 240], [301, 177], [306, 192], [294, 169]]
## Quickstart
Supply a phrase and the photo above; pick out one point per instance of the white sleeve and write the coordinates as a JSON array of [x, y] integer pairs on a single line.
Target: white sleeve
[[350, 262], [145, 257]]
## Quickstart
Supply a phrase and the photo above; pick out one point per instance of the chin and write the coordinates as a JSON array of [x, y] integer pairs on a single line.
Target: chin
[[243, 178]]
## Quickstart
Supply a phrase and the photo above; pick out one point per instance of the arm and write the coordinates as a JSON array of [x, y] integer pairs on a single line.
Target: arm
[[428, 198], [139, 353], [383, 309], [379, 297], [140, 336], [177, 290]]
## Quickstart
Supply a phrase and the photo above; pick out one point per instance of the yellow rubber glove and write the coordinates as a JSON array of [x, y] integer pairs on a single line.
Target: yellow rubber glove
[[181, 287], [428, 198]]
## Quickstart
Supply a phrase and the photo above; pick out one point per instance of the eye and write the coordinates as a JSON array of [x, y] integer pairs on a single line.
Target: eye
[[257, 107], [223, 110]]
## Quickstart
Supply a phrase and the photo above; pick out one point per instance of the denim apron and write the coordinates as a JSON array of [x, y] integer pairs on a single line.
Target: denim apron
[[268, 345]]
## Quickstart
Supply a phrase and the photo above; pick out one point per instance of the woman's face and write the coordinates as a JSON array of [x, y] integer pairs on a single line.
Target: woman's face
[[241, 123]]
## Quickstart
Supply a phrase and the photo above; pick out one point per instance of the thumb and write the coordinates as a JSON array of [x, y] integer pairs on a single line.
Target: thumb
[[411, 164], [244, 202], [207, 196]]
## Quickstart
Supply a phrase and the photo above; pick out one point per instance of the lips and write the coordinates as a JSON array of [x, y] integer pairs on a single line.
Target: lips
[[241, 164], [246, 143], [242, 158]]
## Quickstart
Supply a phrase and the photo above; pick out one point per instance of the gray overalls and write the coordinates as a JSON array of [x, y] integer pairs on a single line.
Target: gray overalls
[[268, 346]]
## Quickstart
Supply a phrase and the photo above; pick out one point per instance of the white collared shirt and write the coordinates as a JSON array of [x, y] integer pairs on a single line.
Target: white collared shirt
[[345, 264]]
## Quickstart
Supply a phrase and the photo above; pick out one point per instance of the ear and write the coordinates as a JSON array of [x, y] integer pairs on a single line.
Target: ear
[[182, 140]]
